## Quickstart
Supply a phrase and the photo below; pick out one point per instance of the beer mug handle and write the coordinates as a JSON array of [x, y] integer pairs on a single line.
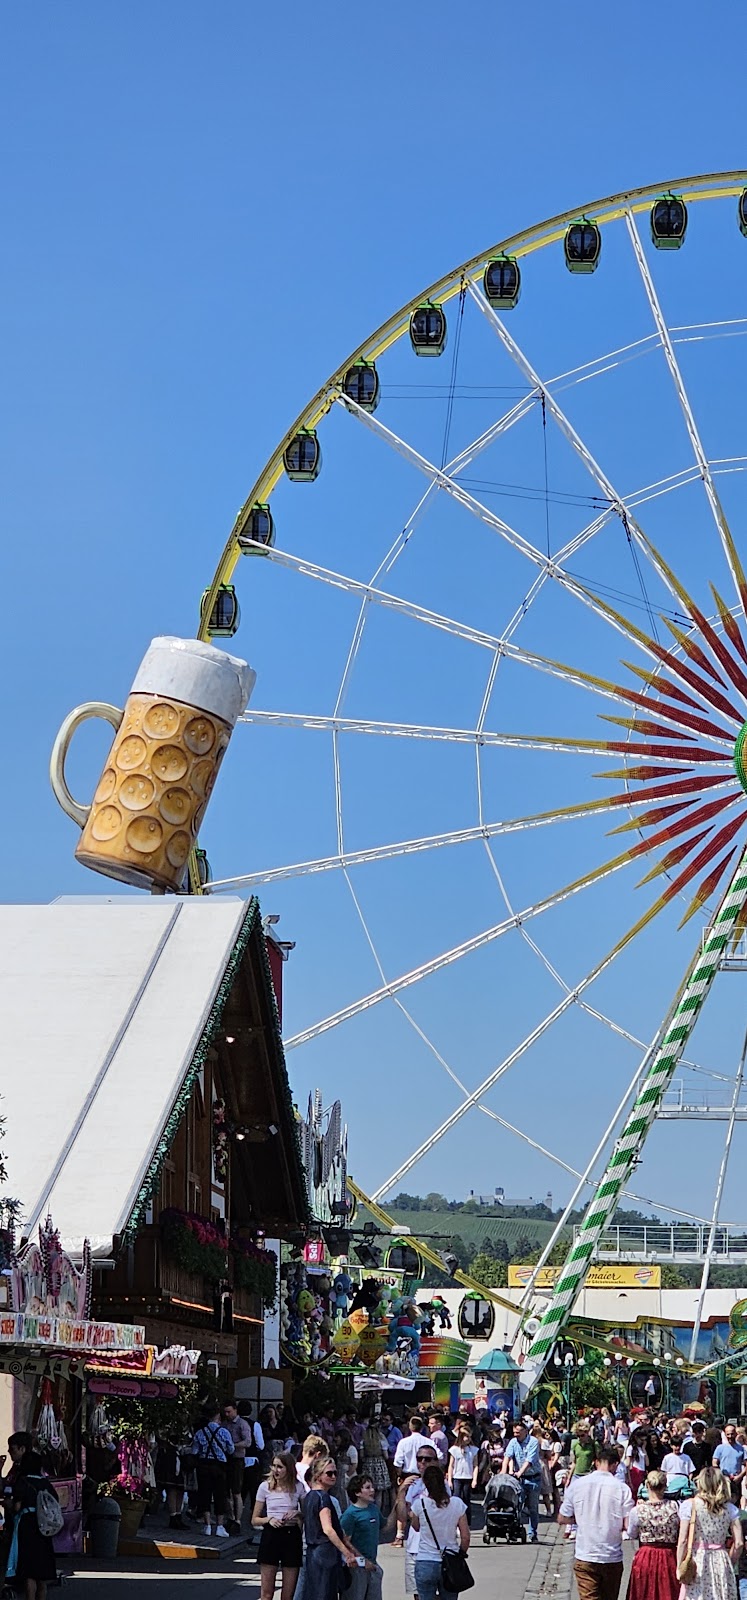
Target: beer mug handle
[[92, 708]]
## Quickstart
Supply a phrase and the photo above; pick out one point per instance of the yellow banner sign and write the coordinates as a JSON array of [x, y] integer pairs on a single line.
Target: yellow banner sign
[[643, 1276]]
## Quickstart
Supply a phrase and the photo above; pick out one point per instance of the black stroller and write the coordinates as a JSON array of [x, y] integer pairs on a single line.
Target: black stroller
[[504, 1507]]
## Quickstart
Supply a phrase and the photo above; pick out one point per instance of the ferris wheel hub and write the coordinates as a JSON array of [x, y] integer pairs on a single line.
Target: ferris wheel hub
[[740, 756]]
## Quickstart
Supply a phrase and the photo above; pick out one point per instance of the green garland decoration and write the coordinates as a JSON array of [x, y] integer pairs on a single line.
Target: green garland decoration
[[151, 1180]]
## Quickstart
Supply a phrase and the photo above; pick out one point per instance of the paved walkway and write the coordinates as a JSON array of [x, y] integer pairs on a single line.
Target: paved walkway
[[540, 1572]]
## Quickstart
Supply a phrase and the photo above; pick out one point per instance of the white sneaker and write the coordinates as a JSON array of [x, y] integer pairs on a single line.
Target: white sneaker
[[221, 1532]]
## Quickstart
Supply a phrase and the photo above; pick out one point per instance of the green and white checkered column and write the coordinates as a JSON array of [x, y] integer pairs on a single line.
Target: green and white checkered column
[[678, 1029]]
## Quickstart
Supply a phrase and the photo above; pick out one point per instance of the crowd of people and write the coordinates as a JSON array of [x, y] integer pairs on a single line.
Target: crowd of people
[[319, 1492]]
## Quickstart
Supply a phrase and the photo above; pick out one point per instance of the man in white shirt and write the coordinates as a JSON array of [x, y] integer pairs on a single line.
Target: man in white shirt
[[406, 1453], [676, 1464], [600, 1506], [438, 1438], [426, 1458], [406, 1460]]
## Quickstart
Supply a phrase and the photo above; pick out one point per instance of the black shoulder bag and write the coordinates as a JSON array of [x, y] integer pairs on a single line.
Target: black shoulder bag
[[455, 1573]]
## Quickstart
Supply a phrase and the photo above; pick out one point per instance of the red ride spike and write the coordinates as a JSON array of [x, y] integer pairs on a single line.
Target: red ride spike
[[718, 841], [642, 774], [730, 666], [692, 820], [693, 650], [657, 681], [706, 888], [673, 713], [638, 725], [668, 791], [730, 625], [650, 819], [707, 690], [692, 753], [673, 857]]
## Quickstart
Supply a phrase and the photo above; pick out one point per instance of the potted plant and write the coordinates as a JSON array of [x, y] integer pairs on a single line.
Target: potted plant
[[130, 1492]]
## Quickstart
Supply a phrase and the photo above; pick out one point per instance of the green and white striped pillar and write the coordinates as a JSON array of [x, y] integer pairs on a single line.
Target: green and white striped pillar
[[678, 1029]]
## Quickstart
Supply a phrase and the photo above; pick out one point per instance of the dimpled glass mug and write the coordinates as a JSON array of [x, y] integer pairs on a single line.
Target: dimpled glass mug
[[159, 774]]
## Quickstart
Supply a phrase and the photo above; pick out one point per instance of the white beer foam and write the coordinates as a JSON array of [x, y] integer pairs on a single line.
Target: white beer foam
[[197, 675]]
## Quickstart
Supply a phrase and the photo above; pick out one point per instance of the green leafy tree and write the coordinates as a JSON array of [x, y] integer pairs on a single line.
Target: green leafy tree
[[485, 1269], [672, 1277], [522, 1249], [556, 1257], [435, 1202]]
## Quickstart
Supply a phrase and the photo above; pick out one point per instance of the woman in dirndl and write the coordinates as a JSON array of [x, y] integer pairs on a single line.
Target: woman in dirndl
[[717, 1541], [656, 1524], [373, 1457]]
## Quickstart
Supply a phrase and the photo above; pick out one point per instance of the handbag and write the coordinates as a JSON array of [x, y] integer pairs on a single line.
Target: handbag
[[687, 1571], [455, 1573]]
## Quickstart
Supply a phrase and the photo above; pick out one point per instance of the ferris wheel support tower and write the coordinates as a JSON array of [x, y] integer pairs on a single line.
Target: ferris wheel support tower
[[676, 1031]]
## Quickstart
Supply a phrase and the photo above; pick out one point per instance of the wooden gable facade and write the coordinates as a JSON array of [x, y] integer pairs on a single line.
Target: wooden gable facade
[[227, 1166]]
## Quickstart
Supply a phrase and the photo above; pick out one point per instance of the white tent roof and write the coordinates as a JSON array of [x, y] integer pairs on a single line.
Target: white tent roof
[[103, 1003]]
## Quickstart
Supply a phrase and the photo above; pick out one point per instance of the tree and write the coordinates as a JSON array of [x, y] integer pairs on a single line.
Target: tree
[[672, 1277], [407, 1202], [556, 1257], [501, 1250], [435, 1202], [485, 1269], [522, 1248]]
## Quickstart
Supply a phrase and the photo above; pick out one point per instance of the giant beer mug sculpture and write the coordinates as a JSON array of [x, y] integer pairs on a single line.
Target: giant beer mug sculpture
[[159, 774]]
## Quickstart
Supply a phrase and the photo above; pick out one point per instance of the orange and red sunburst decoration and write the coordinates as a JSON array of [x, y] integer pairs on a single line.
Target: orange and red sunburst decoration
[[693, 749]]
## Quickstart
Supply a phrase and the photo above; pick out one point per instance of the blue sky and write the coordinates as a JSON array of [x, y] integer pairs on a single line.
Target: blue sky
[[204, 209]]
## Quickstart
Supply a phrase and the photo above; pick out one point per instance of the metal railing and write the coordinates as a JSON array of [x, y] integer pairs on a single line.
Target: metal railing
[[678, 1241]]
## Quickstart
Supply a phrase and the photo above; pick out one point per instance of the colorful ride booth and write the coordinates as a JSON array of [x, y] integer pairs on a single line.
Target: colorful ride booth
[[49, 1346], [362, 1325], [151, 1112]]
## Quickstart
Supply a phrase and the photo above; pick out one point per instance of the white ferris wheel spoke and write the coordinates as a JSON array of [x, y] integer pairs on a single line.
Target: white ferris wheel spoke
[[488, 641], [587, 597], [441, 478], [574, 439], [542, 1027], [416, 730], [704, 469], [488, 1111], [460, 630], [345, 859], [721, 1180], [478, 941]]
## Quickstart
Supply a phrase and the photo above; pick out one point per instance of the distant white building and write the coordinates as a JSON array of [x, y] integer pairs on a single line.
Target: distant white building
[[500, 1198]]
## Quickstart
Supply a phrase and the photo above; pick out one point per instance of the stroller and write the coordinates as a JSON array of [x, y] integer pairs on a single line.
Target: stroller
[[678, 1488], [504, 1507]]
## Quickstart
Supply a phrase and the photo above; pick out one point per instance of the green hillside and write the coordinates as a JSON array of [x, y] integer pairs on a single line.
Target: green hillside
[[473, 1229]]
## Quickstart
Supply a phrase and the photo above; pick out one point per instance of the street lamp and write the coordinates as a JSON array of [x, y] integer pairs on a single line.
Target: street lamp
[[668, 1374], [608, 1363], [570, 1363]]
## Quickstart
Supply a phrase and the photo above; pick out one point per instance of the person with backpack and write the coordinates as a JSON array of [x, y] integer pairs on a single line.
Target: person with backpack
[[245, 1454], [213, 1447], [31, 1560]]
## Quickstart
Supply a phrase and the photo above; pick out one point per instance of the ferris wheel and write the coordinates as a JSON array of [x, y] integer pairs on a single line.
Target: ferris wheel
[[494, 771]]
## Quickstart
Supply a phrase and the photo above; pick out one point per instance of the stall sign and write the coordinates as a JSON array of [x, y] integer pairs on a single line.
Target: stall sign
[[175, 1362], [20, 1327], [598, 1277], [148, 1361], [133, 1388]]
